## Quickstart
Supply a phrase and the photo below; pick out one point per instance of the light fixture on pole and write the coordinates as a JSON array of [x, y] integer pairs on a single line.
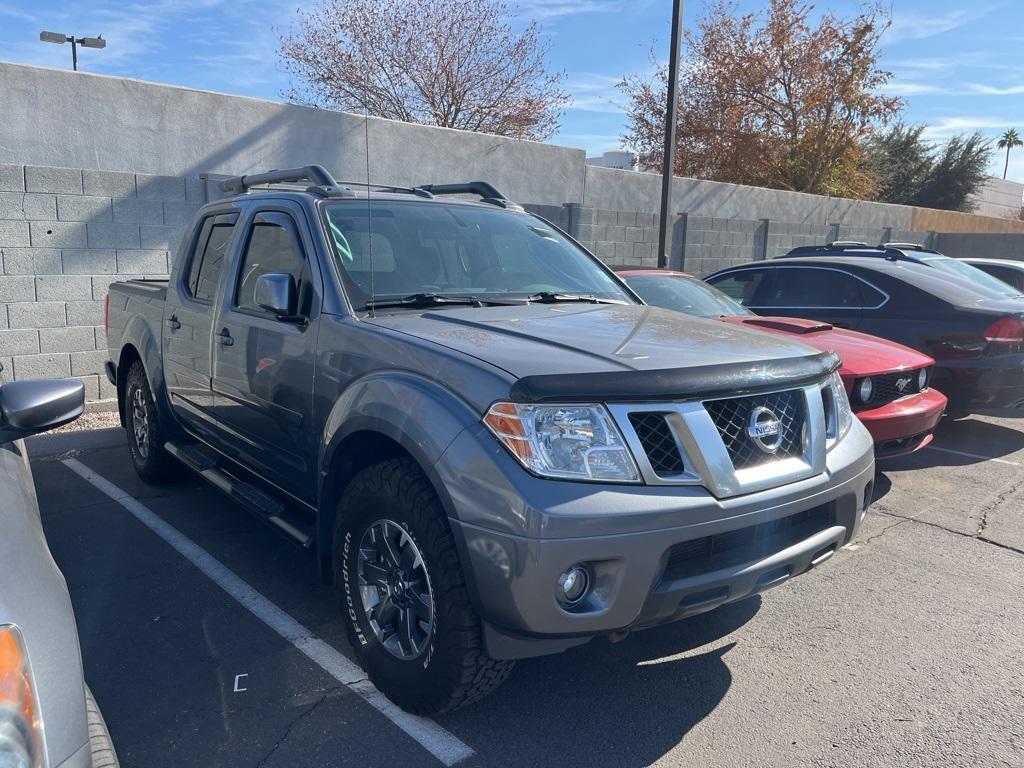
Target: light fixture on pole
[[86, 42], [669, 155]]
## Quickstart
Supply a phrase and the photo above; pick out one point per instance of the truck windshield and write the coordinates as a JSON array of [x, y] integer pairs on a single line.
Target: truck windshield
[[457, 251], [684, 294]]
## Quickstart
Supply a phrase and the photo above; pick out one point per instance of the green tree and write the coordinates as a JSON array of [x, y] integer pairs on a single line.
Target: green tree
[[958, 171], [900, 161], [1008, 141], [912, 171]]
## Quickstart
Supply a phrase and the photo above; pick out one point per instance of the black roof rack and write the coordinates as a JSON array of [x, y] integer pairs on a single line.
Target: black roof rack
[[418, 191], [488, 193], [323, 183], [821, 250], [905, 247], [889, 251]]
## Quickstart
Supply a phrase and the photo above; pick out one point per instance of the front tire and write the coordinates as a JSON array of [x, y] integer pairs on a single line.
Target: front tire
[[403, 594], [146, 436]]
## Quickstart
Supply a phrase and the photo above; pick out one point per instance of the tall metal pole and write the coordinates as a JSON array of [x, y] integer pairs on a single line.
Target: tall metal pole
[[670, 134], [74, 53]]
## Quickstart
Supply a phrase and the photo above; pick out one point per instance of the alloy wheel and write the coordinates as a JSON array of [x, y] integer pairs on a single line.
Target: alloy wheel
[[140, 423], [395, 590]]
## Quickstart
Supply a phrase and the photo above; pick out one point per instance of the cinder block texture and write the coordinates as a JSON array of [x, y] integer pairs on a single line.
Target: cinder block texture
[[56, 180], [108, 183], [83, 208], [26, 207], [12, 178]]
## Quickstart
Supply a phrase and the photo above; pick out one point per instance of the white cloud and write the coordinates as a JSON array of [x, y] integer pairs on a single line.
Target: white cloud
[[898, 88], [946, 127], [10, 12], [543, 10], [595, 92], [916, 26], [991, 90]]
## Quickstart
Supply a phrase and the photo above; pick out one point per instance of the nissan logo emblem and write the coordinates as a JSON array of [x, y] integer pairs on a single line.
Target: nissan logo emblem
[[764, 430]]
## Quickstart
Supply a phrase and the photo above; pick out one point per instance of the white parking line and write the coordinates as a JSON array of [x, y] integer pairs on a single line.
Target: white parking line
[[435, 739], [972, 455]]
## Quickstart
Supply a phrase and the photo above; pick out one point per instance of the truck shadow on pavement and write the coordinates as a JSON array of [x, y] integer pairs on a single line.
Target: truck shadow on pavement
[[622, 704]]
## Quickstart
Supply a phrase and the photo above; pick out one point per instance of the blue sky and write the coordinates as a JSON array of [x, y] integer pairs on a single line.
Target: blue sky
[[959, 65]]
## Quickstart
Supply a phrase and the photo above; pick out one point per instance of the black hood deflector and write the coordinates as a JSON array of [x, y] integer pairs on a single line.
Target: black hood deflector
[[700, 383]]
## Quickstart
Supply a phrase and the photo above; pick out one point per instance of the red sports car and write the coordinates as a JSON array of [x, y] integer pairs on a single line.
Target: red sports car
[[887, 382]]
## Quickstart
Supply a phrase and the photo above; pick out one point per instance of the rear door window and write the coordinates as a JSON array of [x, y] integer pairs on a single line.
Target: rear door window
[[207, 261], [815, 288]]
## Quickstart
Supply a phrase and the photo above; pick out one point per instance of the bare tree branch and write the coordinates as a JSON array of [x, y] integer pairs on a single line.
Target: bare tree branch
[[453, 63]]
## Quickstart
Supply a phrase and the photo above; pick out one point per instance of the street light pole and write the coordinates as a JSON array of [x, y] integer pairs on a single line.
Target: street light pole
[[669, 154], [60, 38]]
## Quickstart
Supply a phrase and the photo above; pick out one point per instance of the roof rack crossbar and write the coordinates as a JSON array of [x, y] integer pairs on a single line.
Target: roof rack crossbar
[[316, 174], [488, 193], [847, 244], [904, 246], [418, 191]]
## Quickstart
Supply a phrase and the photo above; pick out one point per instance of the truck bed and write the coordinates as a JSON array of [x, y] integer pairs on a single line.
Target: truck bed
[[141, 299]]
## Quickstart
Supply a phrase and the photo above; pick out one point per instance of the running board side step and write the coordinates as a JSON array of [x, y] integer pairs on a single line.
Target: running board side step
[[206, 463]]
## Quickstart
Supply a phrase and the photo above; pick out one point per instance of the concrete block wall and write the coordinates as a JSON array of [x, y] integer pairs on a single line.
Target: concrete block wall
[[65, 235]]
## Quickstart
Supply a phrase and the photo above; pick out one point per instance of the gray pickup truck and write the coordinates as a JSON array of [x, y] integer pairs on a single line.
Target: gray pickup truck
[[494, 448]]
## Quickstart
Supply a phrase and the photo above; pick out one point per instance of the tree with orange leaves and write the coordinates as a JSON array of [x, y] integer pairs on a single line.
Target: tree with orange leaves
[[770, 99]]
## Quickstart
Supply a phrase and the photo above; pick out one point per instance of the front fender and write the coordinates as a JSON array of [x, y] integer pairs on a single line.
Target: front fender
[[415, 412]]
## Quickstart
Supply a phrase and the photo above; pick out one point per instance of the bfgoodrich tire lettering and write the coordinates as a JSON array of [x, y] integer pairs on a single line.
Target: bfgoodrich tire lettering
[[452, 668]]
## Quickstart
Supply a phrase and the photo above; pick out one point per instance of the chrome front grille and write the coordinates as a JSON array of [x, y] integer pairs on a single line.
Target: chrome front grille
[[732, 418], [709, 443], [659, 444]]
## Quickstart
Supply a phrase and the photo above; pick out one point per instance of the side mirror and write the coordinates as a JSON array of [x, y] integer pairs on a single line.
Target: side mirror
[[275, 292], [30, 407]]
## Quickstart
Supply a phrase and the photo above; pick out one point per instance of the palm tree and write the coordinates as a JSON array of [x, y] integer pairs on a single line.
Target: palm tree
[[1008, 141]]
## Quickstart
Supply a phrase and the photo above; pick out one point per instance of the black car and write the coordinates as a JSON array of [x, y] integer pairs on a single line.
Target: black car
[[976, 335], [964, 269]]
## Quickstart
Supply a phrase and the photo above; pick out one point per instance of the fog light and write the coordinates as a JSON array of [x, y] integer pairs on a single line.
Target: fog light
[[573, 585], [865, 390], [922, 379]]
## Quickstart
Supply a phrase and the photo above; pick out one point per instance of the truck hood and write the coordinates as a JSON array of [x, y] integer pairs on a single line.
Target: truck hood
[[624, 346], [861, 354]]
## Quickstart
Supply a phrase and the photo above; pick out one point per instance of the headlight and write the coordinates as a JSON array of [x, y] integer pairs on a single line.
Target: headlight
[[838, 414], [865, 389], [922, 379], [21, 731], [576, 442]]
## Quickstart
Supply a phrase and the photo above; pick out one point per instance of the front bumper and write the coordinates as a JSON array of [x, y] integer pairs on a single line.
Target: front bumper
[[656, 554], [904, 425]]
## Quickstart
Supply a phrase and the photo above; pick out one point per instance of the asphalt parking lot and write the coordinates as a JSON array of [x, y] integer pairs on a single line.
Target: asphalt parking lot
[[904, 651]]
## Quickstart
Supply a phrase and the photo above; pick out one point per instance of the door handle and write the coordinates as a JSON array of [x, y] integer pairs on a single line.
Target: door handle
[[225, 338], [173, 322]]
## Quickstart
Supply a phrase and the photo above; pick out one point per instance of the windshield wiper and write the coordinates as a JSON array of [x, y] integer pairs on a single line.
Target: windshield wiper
[[426, 300], [552, 297]]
